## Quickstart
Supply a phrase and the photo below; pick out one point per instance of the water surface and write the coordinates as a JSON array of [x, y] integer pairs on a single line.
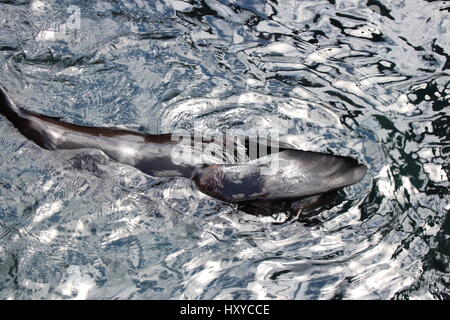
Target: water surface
[[367, 79]]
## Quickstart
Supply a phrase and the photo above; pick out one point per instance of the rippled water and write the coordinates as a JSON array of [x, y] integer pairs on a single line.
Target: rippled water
[[368, 79]]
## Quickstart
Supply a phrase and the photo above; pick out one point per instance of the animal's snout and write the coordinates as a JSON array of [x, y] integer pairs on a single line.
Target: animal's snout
[[360, 172]]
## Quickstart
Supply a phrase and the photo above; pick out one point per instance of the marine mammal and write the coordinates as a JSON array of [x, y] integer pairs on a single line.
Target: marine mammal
[[299, 174]]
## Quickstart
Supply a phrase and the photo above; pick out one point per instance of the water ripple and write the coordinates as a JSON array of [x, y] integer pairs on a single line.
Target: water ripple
[[341, 76]]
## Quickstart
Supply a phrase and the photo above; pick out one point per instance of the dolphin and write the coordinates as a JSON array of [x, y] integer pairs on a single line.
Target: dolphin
[[302, 179]]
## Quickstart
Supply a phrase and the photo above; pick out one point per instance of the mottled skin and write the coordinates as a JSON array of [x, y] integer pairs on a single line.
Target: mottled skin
[[300, 175]]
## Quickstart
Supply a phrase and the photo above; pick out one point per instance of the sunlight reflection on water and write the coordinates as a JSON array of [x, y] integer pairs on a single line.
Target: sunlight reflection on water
[[347, 79]]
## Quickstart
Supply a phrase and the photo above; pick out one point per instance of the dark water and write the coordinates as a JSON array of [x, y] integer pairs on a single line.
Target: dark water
[[368, 79]]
